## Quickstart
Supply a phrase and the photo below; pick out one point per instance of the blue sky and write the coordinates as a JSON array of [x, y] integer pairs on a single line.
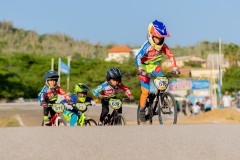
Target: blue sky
[[125, 21]]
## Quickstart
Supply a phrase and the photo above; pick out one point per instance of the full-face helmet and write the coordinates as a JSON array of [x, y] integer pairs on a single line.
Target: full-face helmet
[[157, 29], [81, 88]]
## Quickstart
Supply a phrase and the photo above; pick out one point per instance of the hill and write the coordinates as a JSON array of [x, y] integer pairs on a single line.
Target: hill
[[13, 39], [19, 40]]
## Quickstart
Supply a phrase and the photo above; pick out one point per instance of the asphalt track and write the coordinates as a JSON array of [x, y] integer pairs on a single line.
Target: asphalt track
[[144, 142]]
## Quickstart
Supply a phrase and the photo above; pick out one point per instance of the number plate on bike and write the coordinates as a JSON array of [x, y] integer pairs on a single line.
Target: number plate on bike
[[58, 107], [81, 106], [161, 83], [115, 103]]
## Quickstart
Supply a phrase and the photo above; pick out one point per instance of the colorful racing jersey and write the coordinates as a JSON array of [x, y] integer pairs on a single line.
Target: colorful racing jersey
[[149, 55], [107, 90], [74, 99], [48, 95]]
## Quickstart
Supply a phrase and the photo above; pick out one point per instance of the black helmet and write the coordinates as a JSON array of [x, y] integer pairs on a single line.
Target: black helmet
[[113, 73], [50, 75]]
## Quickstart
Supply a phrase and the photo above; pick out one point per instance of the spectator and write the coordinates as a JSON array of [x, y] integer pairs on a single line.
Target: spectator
[[196, 109], [178, 107], [190, 106], [184, 105], [227, 100], [238, 99]]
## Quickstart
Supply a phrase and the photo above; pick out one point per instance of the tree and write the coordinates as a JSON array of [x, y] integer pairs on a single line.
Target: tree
[[232, 52], [231, 80]]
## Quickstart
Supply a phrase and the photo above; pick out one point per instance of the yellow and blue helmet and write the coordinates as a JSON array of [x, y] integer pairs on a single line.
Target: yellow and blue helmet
[[81, 88], [157, 29]]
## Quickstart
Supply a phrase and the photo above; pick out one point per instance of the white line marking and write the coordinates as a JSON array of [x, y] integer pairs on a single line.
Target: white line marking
[[20, 120]]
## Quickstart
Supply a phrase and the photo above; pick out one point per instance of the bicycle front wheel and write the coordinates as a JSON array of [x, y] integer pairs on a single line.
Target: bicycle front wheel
[[90, 122], [119, 120], [167, 109], [60, 122]]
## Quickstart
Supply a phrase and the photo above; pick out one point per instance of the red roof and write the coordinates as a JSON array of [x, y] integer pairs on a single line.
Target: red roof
[[119, 49]]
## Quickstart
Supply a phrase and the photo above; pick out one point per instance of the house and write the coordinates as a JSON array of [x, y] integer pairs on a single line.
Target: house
[[119, 53]]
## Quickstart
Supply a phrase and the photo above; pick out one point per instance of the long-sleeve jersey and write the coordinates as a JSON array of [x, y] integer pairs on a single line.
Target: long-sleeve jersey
[[148, 54], [106, 90], [47, 94], [74, 99]]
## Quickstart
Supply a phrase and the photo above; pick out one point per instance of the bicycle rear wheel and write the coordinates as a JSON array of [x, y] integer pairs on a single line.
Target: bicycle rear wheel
[[90, 122], [167, 109], [119, 120]]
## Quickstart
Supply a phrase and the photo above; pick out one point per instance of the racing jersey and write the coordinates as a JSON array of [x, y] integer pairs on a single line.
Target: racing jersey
[[75, 99], [48, 95], [149, 55], [107, 90]]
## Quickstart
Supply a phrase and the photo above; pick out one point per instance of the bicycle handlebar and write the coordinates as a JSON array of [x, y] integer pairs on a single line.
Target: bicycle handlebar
[[166, 75]]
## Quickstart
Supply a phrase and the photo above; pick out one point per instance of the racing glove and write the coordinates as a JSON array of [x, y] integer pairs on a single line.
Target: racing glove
[[70, 102], [44, 104], [175, 71], [141, 72]]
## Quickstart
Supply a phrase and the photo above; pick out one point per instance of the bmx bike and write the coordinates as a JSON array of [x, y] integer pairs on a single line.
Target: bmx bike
[[56, 120], [115, 118], [161, 103], [82, 119]]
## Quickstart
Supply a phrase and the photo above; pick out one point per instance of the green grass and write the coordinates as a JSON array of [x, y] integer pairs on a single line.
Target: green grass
[[9, 122]]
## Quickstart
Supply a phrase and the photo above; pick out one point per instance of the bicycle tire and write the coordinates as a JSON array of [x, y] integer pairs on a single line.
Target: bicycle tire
[[169, 103], [61, 122], [90, 122], [138, 109], [147, 110], [119, 120]]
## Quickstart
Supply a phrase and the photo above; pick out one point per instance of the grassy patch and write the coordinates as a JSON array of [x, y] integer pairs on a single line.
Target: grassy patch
[[9, 122]]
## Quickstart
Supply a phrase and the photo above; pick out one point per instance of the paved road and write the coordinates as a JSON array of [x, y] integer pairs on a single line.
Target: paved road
[[173, 142], [170, 142], [31, 113]]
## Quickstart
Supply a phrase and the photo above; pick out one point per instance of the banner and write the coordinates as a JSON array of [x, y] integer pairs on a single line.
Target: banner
[[180, 85], [200, 84], [64, 68], [184, 85]]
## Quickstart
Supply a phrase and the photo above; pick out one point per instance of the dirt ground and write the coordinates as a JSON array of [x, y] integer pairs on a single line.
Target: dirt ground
[[221, 116], [217, 116]]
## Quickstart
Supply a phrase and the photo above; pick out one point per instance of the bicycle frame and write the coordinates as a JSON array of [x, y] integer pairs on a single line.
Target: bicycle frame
[[81, 120], [54, 120], [111, 117], [58, 108], [115, 104]]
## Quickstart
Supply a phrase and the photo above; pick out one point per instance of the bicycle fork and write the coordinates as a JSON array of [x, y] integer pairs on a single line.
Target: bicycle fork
[[81, 120]]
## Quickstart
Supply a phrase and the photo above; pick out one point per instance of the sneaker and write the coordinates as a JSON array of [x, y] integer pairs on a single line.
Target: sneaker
[[100, 123], [46, 122], [142, 115]]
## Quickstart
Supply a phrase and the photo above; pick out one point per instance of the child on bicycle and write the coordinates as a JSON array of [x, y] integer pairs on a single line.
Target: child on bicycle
[[148, 59], [109, 89], [79, 96], [49, 94]]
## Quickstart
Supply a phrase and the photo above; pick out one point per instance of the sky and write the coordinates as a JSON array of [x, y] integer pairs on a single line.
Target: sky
[[125, 22]]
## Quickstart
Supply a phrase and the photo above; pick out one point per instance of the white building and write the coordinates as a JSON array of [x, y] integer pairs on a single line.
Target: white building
[[119, 53]]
